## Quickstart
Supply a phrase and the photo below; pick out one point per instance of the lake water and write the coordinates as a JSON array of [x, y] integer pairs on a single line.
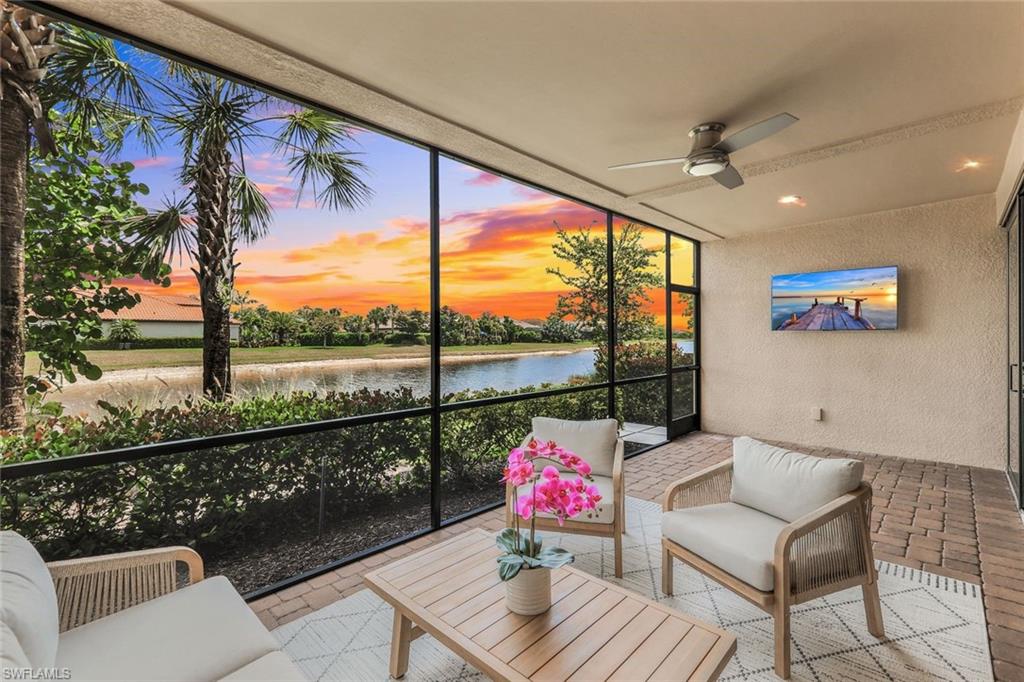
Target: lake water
[[171, 385], [879, 310]]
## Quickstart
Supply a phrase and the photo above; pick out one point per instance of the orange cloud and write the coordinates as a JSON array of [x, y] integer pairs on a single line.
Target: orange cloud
[[493, 260]]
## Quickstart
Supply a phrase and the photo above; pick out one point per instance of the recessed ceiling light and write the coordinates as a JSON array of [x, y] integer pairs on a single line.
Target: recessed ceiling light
[[969, 164], [792, 200]]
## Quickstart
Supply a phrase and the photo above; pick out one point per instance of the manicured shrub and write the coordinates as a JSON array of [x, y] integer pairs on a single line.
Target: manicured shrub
[[217, 497]]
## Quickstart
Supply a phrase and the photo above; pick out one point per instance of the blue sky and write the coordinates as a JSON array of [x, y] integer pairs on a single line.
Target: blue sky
[[868, 281]]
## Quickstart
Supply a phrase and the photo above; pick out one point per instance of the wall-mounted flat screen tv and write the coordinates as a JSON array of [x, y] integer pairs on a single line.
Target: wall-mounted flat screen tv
[[836, 300]]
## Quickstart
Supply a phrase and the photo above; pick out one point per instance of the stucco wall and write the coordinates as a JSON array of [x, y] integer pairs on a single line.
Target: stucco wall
[[164, 330], [933, 389]]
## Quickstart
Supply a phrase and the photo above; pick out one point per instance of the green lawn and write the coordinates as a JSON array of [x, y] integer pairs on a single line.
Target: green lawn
[[193, 357]]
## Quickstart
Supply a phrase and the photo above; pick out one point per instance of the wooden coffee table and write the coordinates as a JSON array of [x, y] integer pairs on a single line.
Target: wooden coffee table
[[594, 630]]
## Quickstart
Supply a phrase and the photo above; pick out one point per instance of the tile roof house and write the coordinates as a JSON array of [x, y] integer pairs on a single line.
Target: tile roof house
[[165, 316]]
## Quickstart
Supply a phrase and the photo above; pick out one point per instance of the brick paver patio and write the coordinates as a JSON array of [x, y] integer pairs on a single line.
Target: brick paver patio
[[951, 520]]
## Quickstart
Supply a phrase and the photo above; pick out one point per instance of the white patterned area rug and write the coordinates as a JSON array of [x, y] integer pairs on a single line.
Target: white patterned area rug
[[935, 626]]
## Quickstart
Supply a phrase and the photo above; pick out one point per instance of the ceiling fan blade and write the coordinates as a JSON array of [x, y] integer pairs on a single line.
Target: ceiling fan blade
[[756, 132], [728, 178], [644, 164]]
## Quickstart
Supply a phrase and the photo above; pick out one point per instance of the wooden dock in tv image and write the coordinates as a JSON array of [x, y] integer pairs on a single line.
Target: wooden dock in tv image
[[829, 317]]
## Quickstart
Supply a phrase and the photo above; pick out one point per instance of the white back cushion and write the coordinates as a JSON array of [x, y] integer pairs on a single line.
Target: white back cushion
[[594, 440], [28, 601], [788, 484]]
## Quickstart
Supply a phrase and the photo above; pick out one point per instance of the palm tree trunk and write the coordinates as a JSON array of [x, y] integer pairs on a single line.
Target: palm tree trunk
[[13, 175], [215, 243]]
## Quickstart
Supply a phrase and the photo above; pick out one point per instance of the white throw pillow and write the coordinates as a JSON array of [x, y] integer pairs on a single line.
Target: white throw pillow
[[594, 441], [788, 484], [28, 601]]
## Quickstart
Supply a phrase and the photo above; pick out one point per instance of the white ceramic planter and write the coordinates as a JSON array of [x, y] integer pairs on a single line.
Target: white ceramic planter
[[529, 593]]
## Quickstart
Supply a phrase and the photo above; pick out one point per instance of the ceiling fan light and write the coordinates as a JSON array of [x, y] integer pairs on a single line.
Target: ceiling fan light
[[706, 168], [706, 163]]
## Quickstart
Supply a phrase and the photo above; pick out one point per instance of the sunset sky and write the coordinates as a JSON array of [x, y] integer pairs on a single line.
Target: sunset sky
[[496, 236]]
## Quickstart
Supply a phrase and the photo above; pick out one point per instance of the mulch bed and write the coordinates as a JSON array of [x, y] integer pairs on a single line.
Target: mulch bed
[[276, 556]]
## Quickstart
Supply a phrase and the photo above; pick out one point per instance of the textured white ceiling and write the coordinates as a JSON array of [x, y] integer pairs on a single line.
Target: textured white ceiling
[[556, 92]]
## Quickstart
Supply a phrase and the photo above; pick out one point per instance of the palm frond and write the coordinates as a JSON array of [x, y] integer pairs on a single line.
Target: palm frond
[[250, 210], [334, 177], [160, 236], [311, 129], [95, 86]]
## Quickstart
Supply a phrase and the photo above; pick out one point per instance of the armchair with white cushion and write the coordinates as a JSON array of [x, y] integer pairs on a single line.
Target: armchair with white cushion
[[129, 616], [776, 527], [599, 444]]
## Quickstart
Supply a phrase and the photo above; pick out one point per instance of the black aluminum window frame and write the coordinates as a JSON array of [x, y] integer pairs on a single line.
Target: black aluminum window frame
[[437, 407]]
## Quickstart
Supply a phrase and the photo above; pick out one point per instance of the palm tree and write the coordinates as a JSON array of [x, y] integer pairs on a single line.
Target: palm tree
[[217, 122], [376, 317], [83, 73], [392, 311]]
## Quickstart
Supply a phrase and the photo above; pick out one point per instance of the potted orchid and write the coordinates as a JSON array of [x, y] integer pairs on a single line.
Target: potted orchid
[[525, 564]]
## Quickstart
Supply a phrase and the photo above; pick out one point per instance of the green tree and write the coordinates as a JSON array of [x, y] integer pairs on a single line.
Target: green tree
[[557, 330], [324, 324], [392, 311], [413, 322], [586, 302], [217, 122], [376, 317], [83, 73], [512, 330], [75, 247], [124, 331], [355, 324], [491, 328]]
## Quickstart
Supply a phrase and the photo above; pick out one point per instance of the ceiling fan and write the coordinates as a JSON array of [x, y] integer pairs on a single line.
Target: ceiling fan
[[709, 154]]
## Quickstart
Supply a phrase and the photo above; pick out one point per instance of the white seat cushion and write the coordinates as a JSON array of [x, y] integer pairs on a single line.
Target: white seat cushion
[[737, 539], [28, 600], [202, 632], [594, 441], [274, 667], [605, 511], [788, 484]]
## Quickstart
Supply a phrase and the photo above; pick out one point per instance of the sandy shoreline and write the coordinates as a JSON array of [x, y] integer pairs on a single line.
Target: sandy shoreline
[[171, 373]]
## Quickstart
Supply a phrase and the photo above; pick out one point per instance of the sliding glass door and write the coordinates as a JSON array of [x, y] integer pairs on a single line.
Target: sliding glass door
[[1015, 350]]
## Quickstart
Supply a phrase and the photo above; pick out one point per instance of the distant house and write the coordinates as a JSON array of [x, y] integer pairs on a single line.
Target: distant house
[[164, 316]]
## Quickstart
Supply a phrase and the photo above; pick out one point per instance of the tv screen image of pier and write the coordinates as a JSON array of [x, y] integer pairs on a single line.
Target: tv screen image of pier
[[836, 300]]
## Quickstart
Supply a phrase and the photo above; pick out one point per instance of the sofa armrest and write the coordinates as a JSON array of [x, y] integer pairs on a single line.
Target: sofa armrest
[[710, 486], [93, 587], [827, 547]]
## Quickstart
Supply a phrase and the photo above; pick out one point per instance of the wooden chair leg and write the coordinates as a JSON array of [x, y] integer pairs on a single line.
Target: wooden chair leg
[[873, 609], [666, 572], [781, 613], [618, 552]]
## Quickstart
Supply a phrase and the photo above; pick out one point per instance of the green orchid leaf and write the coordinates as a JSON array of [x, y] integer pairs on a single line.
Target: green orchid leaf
[[506, 540], [554, 557], [532, 562], [509, 566]]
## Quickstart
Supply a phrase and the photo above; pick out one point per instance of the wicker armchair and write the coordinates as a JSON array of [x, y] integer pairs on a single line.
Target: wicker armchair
[[93, 587], [820, 552], [598, 443]]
